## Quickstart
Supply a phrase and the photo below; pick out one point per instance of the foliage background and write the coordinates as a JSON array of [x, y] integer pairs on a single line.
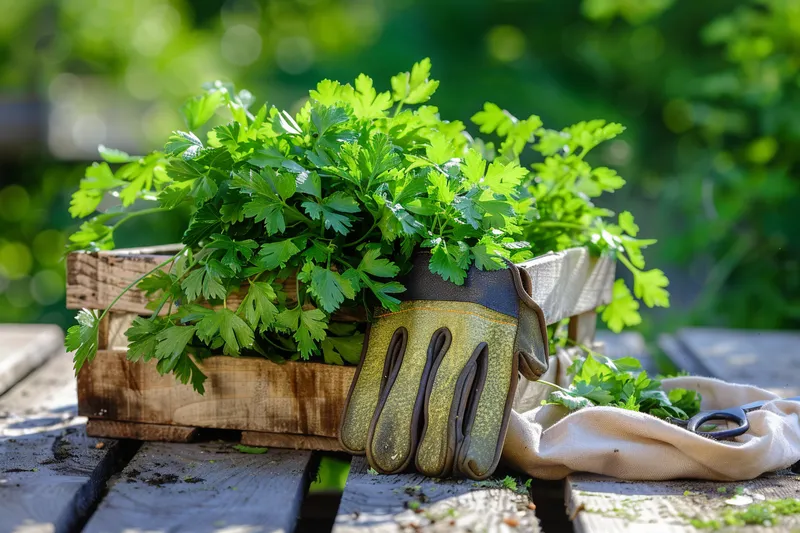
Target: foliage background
[[709, 92]]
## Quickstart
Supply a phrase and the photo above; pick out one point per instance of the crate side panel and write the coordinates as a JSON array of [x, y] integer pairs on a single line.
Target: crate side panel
[[245, 393]]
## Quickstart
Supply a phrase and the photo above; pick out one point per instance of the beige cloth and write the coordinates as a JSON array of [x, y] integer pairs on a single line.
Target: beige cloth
[[548, 442]]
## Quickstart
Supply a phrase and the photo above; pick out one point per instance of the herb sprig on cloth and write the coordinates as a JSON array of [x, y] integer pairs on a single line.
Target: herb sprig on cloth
[[599, 380], [302, 219]]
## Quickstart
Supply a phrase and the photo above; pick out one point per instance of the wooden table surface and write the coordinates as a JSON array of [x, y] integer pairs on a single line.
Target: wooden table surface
[[53, 478]]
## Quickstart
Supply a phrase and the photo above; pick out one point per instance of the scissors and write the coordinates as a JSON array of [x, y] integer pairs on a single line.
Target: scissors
[[737, 415]]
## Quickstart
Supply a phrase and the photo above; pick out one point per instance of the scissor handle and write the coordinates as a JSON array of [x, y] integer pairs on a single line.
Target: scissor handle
[[736, 415]]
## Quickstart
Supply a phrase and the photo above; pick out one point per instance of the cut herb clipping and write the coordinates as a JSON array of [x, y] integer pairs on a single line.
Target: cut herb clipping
[[300, 219], [599, 380]]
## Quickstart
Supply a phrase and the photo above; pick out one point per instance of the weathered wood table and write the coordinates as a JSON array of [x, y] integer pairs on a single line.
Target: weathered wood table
[[53, 478]]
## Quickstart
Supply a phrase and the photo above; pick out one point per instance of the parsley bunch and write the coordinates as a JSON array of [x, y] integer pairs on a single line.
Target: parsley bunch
[[311, 217], [599, 380]]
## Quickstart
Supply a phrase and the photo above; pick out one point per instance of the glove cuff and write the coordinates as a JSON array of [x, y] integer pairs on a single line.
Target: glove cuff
[[506, 291]]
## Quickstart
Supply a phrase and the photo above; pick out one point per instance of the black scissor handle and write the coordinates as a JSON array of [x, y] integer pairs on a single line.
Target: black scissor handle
[[735, 415]]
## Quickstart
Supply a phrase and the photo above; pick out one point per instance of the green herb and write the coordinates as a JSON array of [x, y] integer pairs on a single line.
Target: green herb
[[300, 217], [372, 472], [250, 449], [510, 483], [599, 380], [413, 505], [507, 482], [722, 490], [765, 513]]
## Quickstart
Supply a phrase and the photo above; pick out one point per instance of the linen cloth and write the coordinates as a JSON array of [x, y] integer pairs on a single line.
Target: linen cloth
[[548, 442]]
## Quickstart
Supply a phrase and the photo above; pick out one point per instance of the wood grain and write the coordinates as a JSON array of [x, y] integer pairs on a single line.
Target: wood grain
[[51, 473], [24, 348], [114, 429], [601, 504], [767, 359], [565, 283], [288, 440], [244, 393], [200, 488], [383, 504]]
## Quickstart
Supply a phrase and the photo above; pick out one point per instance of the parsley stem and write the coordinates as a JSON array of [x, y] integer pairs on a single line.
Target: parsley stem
[[363, 237], [281, 348], [134, 214], [555, 224], [562, 389], [628, 264], [300, 215], [136, 282]]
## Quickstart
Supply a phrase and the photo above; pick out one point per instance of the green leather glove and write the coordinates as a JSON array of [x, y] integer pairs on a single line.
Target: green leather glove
[[438, 376]]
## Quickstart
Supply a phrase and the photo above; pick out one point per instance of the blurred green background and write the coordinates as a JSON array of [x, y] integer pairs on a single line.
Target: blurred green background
[[709, 91]]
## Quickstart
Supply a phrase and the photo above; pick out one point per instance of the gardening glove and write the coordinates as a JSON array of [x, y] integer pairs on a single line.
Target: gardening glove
[[437, 377]]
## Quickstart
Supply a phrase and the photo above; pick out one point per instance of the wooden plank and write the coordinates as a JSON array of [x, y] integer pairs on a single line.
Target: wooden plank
[[682, 357], [601, 504], [582, 328], [95, 279], [25, 348], [112, 331], [386, 504], [287, 440], [766, 359], [51, 473], [205, 487], [245, 393], [113, 429], [565, 283]]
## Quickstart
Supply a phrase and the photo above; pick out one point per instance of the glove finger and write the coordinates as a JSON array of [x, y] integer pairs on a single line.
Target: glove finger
[[384, 345], [447, 387], [394, 432], [444, 413], [487, 411]]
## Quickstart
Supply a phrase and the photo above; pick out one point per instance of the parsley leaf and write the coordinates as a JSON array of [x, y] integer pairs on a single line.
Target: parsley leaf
[[330, 288], [308, 326], [414, 87], [82, 337], [234, 331], [258, 306], [623, 310]]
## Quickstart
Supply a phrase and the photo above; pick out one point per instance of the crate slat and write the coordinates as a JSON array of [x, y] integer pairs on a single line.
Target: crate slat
[[565, 284], [246, 393]]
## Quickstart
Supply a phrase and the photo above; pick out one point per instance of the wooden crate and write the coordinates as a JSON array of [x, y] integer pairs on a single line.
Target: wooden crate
[[290, 405]]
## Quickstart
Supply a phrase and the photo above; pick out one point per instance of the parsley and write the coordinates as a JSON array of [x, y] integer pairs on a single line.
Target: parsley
[[313, 214], [250, 449], [621, 383], [765, 513]]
